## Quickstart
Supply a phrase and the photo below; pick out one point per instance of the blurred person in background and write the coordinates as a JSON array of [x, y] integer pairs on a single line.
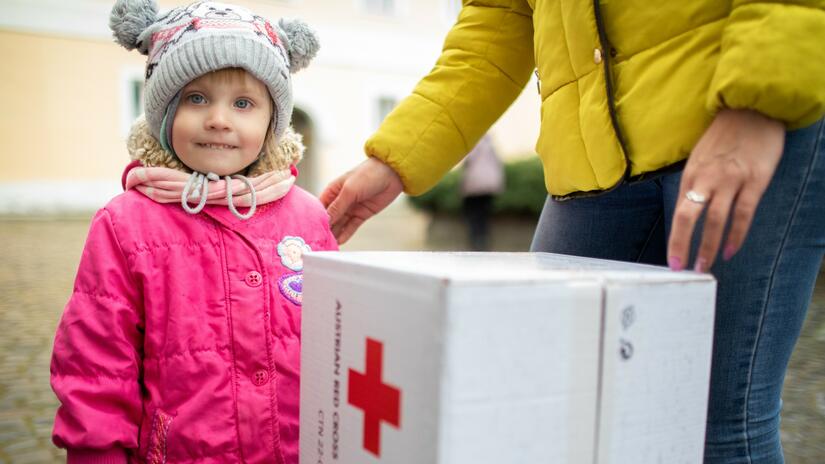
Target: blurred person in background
[[671, 133], [482, 178]]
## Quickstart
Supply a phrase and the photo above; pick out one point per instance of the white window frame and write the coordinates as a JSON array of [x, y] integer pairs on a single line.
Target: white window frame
[[398, 8], [129, 107], [378, 109]]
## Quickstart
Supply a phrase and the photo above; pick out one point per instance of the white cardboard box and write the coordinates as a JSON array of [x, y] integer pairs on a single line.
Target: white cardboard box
[[474, 358]]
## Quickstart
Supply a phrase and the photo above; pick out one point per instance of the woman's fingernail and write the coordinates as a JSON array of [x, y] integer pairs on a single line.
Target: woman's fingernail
[[674, 263], [700, 265], [730, 250]]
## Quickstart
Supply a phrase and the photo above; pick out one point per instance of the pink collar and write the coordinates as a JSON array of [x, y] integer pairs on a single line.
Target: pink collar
[[165, 185]]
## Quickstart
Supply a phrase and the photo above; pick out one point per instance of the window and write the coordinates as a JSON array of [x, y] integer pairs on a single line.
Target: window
[[136, 97], [382, 7], [131, 97], [384, 106]]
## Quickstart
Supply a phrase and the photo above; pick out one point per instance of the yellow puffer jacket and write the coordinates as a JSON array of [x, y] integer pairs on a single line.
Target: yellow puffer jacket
[[627, 86]]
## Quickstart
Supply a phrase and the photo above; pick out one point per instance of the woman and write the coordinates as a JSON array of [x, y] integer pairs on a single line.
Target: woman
[[671, 132]]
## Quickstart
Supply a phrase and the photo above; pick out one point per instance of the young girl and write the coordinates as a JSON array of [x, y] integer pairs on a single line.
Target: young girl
[[180, 342]]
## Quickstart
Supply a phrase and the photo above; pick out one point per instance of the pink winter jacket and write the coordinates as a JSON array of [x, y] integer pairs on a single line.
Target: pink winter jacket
[[181, 340]]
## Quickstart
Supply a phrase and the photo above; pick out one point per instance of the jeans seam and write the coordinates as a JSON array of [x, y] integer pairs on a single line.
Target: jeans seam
[[791, 219], [649, 237]]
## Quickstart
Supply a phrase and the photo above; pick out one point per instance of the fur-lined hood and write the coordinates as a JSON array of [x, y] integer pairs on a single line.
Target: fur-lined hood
[[144, 147]]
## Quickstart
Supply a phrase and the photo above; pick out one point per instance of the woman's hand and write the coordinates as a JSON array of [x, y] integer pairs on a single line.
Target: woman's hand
[[726, 174], [358, 195]]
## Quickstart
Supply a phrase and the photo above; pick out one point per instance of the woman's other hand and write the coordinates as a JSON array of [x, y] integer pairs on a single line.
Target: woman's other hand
[[726, 174], [358, 195]]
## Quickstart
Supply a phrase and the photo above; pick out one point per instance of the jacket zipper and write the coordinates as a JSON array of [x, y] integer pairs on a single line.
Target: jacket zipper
[[608, 79], [611, 105]]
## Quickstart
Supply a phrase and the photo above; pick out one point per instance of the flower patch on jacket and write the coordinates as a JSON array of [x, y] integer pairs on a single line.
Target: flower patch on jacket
[[291, 250], [291, 285]]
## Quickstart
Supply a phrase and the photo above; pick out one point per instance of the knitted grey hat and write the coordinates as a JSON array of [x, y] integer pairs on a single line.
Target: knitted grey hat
[[190, 41]]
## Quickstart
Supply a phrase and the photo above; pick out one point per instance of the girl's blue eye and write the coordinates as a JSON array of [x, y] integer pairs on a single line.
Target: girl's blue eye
[[196, 99], [243, 104]]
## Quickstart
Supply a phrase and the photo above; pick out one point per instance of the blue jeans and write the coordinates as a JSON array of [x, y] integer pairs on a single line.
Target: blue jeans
[[763, 292]]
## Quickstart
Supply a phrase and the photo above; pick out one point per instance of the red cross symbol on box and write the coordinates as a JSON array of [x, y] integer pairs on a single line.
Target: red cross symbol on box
[[379, 401]]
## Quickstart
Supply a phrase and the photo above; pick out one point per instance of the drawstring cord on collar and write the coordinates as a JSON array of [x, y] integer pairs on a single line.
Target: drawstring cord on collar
[[203, 185], [229, 197], [198, 186]]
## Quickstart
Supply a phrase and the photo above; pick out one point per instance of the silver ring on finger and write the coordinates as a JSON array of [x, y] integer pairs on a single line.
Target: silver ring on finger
[[696, 197]]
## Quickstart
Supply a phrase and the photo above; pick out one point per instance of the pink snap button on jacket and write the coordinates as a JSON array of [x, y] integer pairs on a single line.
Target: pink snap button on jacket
[[260, 378], [254, 278]]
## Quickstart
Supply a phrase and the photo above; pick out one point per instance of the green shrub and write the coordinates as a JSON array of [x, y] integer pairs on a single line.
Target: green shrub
[[524, 193]]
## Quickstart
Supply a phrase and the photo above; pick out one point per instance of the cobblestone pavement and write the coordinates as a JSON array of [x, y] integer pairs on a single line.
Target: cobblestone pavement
[[40, 256]]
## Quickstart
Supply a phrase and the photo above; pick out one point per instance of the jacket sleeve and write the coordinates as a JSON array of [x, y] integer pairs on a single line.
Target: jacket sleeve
[[486, 61], [773, 61], [95, 366], [330, 243]]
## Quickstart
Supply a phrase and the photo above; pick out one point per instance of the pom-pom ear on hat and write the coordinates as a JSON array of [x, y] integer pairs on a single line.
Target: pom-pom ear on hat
[[302, 43], [129, 18]]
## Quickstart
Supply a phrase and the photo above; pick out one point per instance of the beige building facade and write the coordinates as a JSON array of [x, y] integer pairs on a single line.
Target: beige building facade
[[68, 93]]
